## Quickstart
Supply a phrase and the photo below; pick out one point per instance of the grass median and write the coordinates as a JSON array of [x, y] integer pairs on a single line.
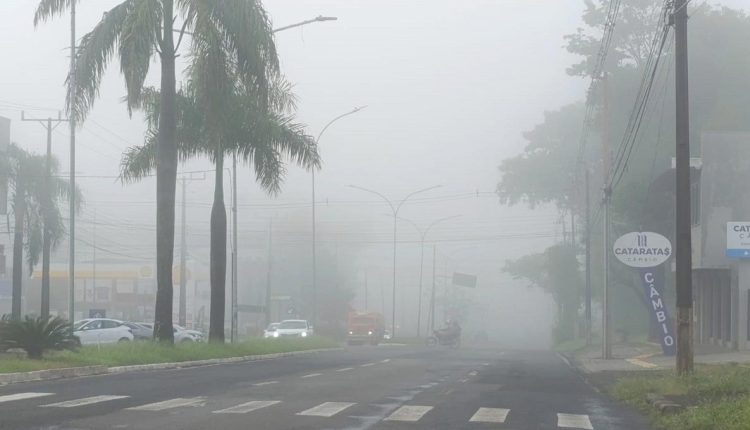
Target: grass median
[[130, 353], [716, 397]]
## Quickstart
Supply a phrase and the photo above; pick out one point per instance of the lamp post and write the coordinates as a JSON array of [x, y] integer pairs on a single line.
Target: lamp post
[[314, 244], [395, 209], [423, 236]]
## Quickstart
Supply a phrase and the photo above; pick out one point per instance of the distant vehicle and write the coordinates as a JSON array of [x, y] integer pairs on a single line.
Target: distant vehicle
[[271, 331], [140, 330], [386, 335], [365, 327], [181, 334], [294, 328], [92, 331]]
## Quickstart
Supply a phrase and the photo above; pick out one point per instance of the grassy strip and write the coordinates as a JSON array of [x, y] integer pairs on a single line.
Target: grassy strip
[[123, 354], [717, 397]]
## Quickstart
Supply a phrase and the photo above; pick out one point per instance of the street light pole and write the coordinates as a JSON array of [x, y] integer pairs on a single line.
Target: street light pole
[[395, 210], [314, 233], [319, 18]]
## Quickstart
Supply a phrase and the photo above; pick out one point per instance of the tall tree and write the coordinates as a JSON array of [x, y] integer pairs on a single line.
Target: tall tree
[[140, 30], [35, 206], [262, 137]]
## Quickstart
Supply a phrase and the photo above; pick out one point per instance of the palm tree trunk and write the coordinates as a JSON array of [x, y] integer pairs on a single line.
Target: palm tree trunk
[[19, 209], [46, 251], [166, 181], [218, 255]]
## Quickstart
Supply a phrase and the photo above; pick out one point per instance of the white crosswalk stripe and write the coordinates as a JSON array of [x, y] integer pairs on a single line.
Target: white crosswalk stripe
[[23, 396], [248, 407], [573, 421], [84, 401], [490, 415], [409, 413], [171, 404], [327, 409]]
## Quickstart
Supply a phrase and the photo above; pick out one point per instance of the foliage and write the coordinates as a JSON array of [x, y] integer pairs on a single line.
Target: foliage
[[36, 335], [130, 353], [556, 271]]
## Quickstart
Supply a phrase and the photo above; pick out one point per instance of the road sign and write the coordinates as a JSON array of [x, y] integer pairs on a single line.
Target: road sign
[[738, 240], [642, 249], [464, 280]]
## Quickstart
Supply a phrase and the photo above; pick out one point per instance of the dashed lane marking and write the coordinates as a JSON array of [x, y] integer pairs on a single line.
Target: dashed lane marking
[[84, 401], [386, 360], [312, 375], [490, 415], [574, 421], [171, 404], [23, 396], [345, 369], [473, 373], [368, 364], [260, 384], [248, 407], [409, 413], [327, 409]]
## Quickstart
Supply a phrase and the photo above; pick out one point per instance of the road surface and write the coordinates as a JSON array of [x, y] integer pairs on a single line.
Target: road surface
[[386, 387]]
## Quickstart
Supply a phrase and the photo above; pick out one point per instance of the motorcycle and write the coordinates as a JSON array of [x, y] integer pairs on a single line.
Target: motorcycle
[[439, 338]]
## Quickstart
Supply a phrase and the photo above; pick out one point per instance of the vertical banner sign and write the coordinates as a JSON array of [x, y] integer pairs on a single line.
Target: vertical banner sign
[[647, 251], [4, 142]]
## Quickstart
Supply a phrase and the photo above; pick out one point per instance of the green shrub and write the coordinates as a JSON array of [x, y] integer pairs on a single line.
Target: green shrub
[[37, 335]]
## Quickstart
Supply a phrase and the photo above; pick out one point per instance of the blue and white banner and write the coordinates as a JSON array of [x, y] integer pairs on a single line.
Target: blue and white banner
[[653, 288]]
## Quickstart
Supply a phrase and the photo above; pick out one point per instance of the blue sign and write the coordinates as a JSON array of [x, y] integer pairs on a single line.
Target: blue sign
[[653, 288]]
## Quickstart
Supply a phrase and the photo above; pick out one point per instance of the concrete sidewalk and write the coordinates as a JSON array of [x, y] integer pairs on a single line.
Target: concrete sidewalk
[[646, 356]]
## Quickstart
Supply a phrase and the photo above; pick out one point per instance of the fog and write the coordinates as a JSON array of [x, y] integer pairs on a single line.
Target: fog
[[449, 87]]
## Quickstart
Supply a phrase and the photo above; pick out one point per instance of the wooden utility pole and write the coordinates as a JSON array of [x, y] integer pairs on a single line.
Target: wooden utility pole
[[607, 199], [683, 241], [588, 255]]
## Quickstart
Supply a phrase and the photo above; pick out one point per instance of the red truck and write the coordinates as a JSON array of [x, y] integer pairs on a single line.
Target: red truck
[[365, 327]]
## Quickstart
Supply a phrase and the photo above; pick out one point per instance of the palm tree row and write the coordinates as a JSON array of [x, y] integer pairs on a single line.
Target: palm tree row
[[233, 101]]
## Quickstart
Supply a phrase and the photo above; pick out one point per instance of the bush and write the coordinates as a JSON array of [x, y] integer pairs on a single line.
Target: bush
[[37, 335]]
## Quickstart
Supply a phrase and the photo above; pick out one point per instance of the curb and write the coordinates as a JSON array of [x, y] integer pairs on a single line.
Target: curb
[[77, 372], [662, 405]]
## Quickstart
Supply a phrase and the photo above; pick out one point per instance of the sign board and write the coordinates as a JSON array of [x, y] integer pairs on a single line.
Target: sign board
[[653, 288], [642, 249], [738, 240], [464, 280], [4, 142]]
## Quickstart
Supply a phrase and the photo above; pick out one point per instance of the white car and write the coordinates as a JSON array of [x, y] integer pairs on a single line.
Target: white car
[[270, 330], [181, 334], [293, 328], [92, 331]]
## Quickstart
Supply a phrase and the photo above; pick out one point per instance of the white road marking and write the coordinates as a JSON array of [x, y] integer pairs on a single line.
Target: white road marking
[[327, 409], [463, 381], [312, 375], [386, 360], [345, 369], [84, 401], [485, 364], [473, 373], [23, 396], [409, 413], [490, 415], [368, 364], [171, 404], [248, 407], [260, 384], [573, 421]]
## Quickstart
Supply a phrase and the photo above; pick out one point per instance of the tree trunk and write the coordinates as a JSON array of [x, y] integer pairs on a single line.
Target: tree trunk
[[46, 251], [218, 261], [166, 182], [19, 209]]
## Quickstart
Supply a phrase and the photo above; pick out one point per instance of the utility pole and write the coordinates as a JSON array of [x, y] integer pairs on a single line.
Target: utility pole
[[235, 307], [268, 273], [72, 89], [183, 258], [683, 239], [366, 307], [588, 255], [432, 293], [607, 162], [46, 207]]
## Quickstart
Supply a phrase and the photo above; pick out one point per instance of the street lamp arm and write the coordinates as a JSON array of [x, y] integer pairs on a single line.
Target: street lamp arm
[[319, 18], [351, 112], [377, 194], [423, 190], [434, 223]]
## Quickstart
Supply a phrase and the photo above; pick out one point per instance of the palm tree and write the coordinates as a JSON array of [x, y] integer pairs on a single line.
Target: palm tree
[[140, 30], [35, 210], [262, 133]]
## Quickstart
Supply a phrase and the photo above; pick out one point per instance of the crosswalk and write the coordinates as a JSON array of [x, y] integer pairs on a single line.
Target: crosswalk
[[405, 414]]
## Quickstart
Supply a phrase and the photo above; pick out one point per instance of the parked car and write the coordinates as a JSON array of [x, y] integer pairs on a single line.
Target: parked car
[[140, 330], [294, 328], [181, 334], [270, 331], [101, 330]]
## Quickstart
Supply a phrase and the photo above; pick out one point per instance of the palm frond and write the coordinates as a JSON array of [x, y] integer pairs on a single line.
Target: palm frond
[[48, 9], [139, 161], [137, 46], [95, 52]]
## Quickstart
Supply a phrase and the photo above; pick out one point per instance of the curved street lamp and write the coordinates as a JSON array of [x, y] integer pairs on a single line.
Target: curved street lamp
[[395, 209], [314, 245]]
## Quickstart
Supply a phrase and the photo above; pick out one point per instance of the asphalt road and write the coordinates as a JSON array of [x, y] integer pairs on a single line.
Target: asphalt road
[[386, 387]]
